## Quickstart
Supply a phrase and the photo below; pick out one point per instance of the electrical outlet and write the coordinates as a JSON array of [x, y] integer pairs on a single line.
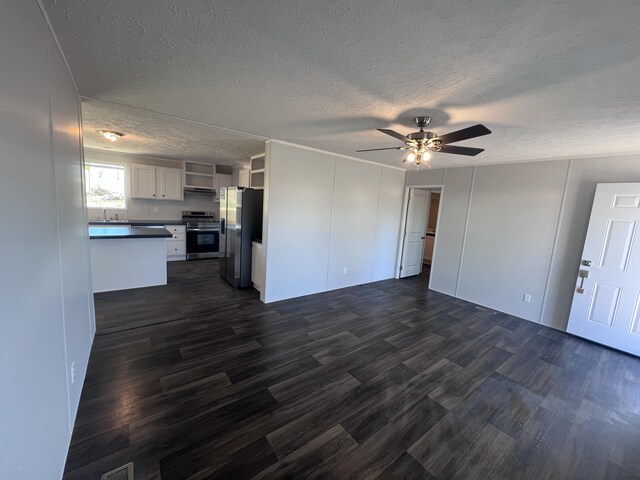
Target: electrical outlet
[[73, 372], [344, 270], [526, 298]]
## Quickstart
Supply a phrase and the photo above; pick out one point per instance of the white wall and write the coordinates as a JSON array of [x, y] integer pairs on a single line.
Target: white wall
[[454, 206], [514, 213], [506, 230], [387, 234], [330, 221], [143, 209], [46, 310], [73, 236]]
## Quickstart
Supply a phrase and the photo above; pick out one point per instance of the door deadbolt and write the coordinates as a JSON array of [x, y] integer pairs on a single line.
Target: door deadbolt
[[586, 263]]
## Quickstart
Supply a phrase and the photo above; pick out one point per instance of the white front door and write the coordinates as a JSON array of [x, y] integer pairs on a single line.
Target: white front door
[[414, 235], [606, 302]]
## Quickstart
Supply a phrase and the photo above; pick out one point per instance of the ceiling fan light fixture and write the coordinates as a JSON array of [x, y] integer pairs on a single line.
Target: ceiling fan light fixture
[[421, 143]]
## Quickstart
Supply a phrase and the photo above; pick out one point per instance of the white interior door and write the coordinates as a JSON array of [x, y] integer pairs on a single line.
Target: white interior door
[[607, 307], [415, 232]]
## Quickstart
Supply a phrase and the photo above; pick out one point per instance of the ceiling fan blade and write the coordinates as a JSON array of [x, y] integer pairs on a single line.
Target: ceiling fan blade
[[464, 134], [376, 149], [397, 135], [471, 152]]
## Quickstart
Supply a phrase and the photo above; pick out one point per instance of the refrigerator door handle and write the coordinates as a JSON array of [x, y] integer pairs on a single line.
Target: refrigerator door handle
[[222, 226]]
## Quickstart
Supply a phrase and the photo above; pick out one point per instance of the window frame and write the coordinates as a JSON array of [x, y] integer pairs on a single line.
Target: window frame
[[93, 163]]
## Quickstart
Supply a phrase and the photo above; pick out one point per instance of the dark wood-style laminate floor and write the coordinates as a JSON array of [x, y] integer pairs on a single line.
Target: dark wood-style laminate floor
[[387, 380]]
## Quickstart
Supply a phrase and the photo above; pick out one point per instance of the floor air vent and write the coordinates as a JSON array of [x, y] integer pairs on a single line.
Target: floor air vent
[[125, 472]]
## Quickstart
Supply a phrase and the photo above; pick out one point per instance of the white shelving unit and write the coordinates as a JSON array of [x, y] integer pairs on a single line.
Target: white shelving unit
[[199, 175], [257, 171]]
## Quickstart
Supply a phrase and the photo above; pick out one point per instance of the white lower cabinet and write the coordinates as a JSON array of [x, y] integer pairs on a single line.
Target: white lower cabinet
[[177, 244]]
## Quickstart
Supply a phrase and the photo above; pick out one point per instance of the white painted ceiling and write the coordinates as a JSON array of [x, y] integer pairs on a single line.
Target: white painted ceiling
[[550, 78]]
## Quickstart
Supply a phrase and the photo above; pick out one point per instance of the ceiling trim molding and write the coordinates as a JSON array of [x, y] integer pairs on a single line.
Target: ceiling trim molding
[[538, 160], [282, 142], [174, 117]]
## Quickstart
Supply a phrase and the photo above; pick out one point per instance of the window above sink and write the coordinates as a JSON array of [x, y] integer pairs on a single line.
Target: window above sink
[[105, 186]]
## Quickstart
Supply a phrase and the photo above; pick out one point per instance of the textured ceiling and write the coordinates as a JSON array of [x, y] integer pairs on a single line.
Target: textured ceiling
[[551, 78], [155, 135]]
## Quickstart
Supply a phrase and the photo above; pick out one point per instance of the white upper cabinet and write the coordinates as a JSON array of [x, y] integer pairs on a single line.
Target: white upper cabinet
[[243, 178], [156, 183], [143, 181], [169, 184], [222, 180]]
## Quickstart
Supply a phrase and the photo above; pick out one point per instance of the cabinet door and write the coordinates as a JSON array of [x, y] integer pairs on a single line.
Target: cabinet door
[[224, 180], [143, 181], [243, 178], [169, 184]]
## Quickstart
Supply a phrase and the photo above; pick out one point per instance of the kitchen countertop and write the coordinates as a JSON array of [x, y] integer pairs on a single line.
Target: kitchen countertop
[[127, 231], [138, 222]]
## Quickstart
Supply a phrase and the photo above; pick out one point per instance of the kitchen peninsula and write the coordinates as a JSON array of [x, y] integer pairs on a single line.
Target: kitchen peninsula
[[126, 256]]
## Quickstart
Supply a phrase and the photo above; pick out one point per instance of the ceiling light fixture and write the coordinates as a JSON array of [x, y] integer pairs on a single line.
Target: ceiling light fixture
[[110, 135], [421, 144], [418, 156]]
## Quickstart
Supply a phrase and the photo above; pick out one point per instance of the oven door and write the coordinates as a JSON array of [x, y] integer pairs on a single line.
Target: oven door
[[202, 242]]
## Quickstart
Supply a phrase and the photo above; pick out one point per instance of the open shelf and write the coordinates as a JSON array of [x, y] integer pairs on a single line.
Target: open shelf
[[199, 168], [198, 181], [257, 162], [199, 175], [257, 170], [257, 179]]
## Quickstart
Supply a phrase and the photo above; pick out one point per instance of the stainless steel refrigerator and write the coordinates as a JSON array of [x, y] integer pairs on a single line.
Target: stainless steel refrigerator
[[240, 223]]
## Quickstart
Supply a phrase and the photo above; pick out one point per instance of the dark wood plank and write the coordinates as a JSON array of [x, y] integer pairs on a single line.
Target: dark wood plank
[[388, 380]]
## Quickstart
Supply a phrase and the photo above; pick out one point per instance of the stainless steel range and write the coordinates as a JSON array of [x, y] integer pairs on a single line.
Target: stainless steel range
[[203, 235]]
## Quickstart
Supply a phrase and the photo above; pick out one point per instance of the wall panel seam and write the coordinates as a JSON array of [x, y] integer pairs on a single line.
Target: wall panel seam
[[375, 229], [556, 237], [466, 226], [333, 209]]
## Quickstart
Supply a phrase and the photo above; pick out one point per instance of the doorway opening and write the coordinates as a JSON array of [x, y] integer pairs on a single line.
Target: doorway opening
[[419, 231]]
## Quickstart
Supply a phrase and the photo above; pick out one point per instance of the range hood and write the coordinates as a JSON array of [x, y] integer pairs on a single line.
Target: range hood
[[201, 190]]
